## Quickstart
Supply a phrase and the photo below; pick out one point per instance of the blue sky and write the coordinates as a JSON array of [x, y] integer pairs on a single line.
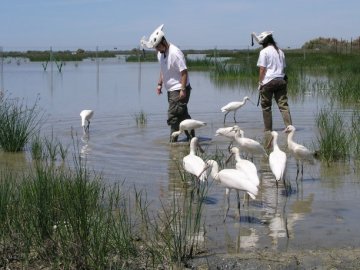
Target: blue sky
[[73, 24]]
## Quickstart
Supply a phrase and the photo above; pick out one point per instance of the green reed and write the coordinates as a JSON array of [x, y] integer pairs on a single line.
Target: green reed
[[141, 118], [175, 233], [345, 88], [18, 123], [333, 138], [47, 148], [355, 134]]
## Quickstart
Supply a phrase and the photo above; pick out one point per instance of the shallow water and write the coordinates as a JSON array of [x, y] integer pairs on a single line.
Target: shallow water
[[320, 211]]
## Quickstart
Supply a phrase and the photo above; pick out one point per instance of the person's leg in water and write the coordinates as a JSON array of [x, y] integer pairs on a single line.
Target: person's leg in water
[[173, 120], [282, 101], [266, 95], [186, 114]]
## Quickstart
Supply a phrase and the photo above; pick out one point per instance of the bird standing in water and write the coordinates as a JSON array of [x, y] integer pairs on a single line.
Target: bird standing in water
[[194, 164], [188, 125], [234, 106], [232, 179], [298, 151], [248, 145], [277, 159], [86, 115]]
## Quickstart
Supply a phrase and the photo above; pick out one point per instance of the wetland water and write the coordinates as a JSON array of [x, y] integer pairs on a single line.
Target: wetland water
[[321, 211]]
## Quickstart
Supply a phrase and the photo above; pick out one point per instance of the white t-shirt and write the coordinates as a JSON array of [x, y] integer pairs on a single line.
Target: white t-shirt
[[273, 61], [171, 66]]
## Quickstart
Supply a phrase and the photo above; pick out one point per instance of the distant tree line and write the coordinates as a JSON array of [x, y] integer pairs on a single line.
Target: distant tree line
[[135, 55], [333, 45]]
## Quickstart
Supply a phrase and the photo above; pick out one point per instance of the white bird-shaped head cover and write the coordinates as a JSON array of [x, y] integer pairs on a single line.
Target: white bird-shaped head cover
[[260, 38], [154, 39]]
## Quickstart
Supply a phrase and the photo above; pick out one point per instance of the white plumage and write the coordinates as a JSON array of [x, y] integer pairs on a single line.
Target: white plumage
[[232, 179], [194, 164], [234, 106], [86, 115], [277, 159], [248, 145], [246, 166], [227, 132], [188, 124], [298, 151]]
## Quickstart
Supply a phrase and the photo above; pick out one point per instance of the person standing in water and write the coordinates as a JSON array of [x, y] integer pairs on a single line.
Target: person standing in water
[[174, 77], [272, 79]]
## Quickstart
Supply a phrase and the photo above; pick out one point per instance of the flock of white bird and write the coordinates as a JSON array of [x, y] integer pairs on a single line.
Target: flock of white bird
[[244, 177]]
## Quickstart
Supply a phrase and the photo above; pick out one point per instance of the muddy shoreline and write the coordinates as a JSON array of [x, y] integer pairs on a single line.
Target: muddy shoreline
[[345, 258]]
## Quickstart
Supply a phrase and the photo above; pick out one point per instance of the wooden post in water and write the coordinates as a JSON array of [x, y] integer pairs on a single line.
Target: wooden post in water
[[97, 70], [1, 70]]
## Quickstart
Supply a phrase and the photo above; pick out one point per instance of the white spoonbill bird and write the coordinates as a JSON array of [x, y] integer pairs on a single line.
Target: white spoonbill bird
[[277, 159], [86, 115], [298, 151], [248, 145], [234, 106], [226, 132], [188, 124], [245, 165], [194, 164], [232, 179]]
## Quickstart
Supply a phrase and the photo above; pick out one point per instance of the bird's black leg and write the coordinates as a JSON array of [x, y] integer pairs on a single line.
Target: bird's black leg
[[225, 116], [227, 192], [238, 201], [235, 117]]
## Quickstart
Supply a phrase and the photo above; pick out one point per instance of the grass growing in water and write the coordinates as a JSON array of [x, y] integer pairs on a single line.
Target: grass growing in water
[[333, 140], [140, 118], [18, 124]]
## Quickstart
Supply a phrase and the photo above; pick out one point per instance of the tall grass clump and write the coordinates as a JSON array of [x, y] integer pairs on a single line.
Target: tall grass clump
[[140, 118], [345, 88], [18, 123], [47, 148], [176, 233], [333, 140], [355, 134]]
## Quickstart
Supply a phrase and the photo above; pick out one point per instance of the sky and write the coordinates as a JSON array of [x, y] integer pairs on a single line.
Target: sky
[[189, 24]]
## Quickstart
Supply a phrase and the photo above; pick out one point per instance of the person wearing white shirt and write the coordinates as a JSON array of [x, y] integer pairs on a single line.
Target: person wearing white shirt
[[272, 79], [174, 77]]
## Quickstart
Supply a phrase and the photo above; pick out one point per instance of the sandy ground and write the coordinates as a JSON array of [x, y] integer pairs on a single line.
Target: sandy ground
[[348, 258]]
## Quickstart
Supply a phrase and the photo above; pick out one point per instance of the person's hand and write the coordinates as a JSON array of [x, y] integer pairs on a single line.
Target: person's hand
[[182, 94], [158, 89]]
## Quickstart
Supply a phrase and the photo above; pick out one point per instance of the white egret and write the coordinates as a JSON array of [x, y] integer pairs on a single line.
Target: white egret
[[188, 125], [245, 166], [234, 106], [277, 159], [194, 164], [298, 151], [226, 132], [86, 115], [248, 145], [232, 179]]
